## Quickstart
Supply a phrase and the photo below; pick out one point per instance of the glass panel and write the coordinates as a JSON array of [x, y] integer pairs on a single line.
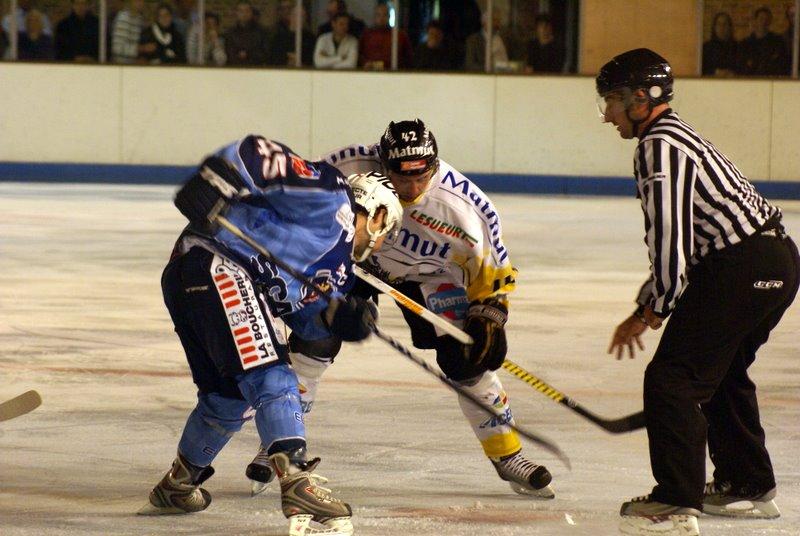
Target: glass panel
[[285, 38], [388, 22], [76, 30], [5, 35], [34, 30], [338, 27], [543, 36], [438, 30], [747, 38]]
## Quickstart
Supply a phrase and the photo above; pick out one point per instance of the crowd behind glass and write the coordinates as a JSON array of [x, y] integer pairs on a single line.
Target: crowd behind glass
[[537, 36]]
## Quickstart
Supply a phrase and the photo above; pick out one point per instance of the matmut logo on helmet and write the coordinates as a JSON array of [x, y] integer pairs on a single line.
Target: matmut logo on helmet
[[409, 148]]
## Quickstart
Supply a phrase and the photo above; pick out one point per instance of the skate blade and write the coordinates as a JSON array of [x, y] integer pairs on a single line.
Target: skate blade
[[677, 525], [302, 525], [257, 488], [745, 509], [150, 510], [541, 493]]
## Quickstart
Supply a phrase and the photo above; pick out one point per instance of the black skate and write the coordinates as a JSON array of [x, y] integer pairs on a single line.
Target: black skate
[[720, 499], [260, 472], [311, 509], [179, 492], [524, 476]]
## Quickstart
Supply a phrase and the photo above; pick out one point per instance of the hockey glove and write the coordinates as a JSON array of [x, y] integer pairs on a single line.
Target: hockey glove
[[351, 318], [484, 323], [208, 192]]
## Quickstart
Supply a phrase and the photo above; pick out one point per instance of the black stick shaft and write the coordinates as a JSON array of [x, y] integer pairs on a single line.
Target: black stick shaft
[[541, 441]]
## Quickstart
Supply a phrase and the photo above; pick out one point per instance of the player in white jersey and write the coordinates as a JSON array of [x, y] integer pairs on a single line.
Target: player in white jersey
[[449, 255]]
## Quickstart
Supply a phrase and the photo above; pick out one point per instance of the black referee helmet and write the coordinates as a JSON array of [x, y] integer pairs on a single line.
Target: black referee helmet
[[638, 69]]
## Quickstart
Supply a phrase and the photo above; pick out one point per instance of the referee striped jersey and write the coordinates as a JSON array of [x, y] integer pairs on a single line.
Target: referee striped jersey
[[694, 200]]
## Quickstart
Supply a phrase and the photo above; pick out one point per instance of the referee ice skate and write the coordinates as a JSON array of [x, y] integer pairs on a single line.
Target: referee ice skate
[[724, 270]]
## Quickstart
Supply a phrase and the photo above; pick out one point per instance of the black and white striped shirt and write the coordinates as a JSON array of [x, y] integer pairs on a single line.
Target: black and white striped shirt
[[694, 200]]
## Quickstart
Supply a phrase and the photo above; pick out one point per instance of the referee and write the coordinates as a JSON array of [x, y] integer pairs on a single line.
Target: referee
[[725, 270]]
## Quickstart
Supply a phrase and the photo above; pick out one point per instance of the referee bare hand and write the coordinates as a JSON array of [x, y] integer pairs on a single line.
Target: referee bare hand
[[626, 334]]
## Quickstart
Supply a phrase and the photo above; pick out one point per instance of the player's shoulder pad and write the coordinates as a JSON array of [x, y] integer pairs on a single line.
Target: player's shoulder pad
[[462, 188], [271, 164], [352, 152]]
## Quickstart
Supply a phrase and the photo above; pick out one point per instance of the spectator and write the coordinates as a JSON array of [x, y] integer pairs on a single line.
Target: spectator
[[128, 26], [113, 7], [246, 42], [788, 35], [23, 6], [33, 43], [436, 53], [546, 54], [213, 43], [763, 53], [336, 7], [337, 49], [375, 45], [3, 43], [78, 35], [161, 42], [475, 59], [282, 51], [719, 52], [185, 16]]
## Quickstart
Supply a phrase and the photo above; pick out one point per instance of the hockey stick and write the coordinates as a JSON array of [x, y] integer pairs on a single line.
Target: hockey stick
[[326, 294], [20, 405], [628, 423]]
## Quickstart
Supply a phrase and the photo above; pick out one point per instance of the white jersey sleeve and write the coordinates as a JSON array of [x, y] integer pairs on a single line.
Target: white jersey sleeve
[[355, 159]]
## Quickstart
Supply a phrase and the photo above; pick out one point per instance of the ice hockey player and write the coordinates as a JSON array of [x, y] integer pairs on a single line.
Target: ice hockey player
[[228, 304], [449, 255]]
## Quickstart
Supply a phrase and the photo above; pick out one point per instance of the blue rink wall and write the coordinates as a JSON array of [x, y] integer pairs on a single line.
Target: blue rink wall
[[501, 183], [533, 134]]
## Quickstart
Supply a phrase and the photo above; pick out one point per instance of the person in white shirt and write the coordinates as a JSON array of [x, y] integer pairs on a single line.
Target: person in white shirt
[[337, 49]]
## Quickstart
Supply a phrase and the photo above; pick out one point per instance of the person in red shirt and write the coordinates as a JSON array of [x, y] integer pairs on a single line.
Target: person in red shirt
[[375, 46]]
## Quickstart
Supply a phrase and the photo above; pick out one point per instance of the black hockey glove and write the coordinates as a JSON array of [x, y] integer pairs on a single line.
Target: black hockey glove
[[208, 192], [353, 318], [484, 323]]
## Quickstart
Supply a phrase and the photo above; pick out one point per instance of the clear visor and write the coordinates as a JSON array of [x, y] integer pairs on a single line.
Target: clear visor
[[613, 102]]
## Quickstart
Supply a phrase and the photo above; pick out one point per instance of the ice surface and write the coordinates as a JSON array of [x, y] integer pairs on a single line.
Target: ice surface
[[83, 323]]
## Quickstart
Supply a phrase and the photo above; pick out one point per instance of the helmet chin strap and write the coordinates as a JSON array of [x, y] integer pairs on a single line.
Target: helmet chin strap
[[637, 123]]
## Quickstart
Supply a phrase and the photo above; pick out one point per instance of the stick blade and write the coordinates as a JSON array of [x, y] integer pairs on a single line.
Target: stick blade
[[20, 405]]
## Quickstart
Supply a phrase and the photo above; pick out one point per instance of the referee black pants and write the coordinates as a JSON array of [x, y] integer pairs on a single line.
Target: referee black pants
[[696, 388]]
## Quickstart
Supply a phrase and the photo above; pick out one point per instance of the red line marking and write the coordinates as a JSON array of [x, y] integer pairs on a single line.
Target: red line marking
[[232, 303], [241, 331], [229, 294], [243, 340], [247, 350], [250, 359], [220, 277], [225, 285]]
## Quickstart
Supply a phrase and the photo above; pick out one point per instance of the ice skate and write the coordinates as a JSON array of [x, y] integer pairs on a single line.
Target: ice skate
[[311, 509], [646, 517], [524, 476], [179, 492], [260, 472], [719, 499]]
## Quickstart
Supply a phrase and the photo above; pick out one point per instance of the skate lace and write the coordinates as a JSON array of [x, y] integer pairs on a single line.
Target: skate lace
[[715, 487], [519, 466]]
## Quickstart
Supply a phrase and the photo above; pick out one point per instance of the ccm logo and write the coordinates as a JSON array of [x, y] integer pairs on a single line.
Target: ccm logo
[[766, 285]]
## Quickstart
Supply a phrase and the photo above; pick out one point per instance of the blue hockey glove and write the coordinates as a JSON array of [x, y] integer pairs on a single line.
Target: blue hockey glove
[[485, 324], [353, 318], [208, 192]]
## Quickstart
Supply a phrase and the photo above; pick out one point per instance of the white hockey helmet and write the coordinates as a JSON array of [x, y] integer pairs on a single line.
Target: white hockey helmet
[[371, 191]]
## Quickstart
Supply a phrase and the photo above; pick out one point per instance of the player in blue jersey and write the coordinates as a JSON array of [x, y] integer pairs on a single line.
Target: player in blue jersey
[[229, 303]]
